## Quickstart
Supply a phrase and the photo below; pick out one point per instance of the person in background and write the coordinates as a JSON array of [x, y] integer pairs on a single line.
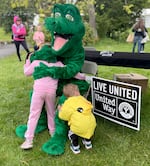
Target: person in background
[[77, 110], [19, 33], [38, 37], [139, 33]]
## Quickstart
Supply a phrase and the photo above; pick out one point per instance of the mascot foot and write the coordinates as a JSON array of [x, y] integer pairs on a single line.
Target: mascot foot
[[53, 147], [56, 144], [20, 130]]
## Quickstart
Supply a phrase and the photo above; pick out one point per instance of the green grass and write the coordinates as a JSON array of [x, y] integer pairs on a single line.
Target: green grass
[[110, 45], [4, 36], [113, 145]]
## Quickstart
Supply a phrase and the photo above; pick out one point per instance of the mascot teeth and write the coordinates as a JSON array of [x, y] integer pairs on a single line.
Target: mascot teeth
[[65, 36]]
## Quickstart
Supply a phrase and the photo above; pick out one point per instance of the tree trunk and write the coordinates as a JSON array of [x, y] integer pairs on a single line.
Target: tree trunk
[[92, 20]]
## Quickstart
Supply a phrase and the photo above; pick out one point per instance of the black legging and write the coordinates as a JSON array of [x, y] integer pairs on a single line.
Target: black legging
[[74, 139], [24, 44]]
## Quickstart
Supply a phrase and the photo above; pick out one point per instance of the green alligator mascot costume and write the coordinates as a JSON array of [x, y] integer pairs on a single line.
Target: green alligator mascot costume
[[67, 30]]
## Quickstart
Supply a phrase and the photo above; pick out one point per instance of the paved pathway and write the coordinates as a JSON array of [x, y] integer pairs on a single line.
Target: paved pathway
[[7, 49]]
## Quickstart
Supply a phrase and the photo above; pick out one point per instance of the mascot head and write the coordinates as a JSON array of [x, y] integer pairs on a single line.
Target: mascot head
[[66, 28]]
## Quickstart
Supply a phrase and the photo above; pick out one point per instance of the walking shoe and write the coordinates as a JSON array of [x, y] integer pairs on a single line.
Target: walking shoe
[[75, 149], [28, 144], [87, 144]]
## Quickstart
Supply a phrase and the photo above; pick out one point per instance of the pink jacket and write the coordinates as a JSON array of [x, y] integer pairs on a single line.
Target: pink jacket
[[45, 83], [19, 31]]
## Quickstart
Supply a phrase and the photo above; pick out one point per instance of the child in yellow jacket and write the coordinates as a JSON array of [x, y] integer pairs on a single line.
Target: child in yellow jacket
[[78, 112]]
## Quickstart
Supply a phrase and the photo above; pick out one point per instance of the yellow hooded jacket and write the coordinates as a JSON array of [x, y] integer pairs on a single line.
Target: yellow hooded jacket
[[78, 112]]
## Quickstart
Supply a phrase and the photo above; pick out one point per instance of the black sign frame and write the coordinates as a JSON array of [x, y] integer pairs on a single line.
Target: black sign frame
[[117, 101]]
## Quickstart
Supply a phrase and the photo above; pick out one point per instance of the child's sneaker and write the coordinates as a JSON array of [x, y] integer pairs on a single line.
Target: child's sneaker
[[75, 149], [87, 144], [28, 144]]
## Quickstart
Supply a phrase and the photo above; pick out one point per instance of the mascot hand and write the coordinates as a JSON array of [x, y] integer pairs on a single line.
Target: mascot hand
[[88, 79], [43, 66], [42, 71]]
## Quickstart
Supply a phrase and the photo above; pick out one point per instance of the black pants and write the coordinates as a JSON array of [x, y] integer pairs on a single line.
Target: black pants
[[24, 44], [74, 139], [142, 46]]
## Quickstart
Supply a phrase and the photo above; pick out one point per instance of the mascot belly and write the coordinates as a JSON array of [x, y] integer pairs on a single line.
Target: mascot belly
[[67, 30]]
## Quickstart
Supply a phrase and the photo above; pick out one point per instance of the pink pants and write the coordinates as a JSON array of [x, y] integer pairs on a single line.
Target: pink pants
[[38, 99]]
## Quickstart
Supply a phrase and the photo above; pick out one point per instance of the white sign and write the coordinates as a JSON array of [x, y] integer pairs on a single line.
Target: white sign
[[116, 101]]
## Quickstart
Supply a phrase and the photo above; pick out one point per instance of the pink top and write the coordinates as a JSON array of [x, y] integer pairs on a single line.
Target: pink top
[[19, 32], [39, 37], [45, 83]]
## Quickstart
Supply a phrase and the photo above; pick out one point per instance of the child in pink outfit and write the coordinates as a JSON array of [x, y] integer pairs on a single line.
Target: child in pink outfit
[[44, 91], [38, 37]]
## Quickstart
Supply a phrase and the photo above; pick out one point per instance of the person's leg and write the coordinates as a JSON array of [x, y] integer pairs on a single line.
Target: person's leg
[[74, 142], [87, 143], [17, 44], [142, 47], [35, 111], [139, 44], [73, 137], [41, 126], [134, 45], [24, 44], [50, 108]]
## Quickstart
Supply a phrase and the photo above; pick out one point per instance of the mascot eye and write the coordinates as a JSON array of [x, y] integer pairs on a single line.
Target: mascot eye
[[57, 14], [69, 17]]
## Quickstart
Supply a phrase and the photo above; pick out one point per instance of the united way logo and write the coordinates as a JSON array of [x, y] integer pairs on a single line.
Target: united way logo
[[126, 110]]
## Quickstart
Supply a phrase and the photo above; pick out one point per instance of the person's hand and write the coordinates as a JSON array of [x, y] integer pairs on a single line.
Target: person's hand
[[59, 107]]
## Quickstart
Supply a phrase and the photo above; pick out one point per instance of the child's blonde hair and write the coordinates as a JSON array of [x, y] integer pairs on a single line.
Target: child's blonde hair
[[39, 27], [69, 90]]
